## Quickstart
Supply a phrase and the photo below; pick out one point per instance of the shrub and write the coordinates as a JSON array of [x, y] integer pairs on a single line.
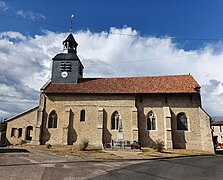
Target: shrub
[[48, 146], [84, 144], [159, 145], [22, 142]]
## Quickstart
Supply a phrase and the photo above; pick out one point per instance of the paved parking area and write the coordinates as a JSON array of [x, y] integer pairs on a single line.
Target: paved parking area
[[22, 164], [33, 164]]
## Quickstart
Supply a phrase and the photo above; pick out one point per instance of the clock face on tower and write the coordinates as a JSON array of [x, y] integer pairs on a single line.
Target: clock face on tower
[[64, 74]]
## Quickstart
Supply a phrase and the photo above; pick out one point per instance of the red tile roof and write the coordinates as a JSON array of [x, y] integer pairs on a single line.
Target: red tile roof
[[129, 85], [217, 123]]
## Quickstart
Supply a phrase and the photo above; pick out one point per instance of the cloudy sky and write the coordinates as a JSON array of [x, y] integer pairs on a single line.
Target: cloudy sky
[[127, 38]]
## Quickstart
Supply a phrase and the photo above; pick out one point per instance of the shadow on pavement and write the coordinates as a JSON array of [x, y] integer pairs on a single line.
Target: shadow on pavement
[[13, 150], [194, 168]]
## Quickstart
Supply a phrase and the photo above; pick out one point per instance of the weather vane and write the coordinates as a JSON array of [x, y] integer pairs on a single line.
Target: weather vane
[[71, 23]]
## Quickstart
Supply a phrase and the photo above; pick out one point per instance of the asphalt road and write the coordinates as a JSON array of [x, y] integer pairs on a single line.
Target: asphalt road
[[22, 164]]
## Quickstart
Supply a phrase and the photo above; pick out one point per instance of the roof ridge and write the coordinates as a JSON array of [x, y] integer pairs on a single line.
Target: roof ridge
[[139, 76]]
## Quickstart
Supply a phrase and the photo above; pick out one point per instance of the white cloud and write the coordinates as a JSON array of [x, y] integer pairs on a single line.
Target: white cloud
[[3, 6], [30, 15], [24, 14], [26, 63], [12, 36]]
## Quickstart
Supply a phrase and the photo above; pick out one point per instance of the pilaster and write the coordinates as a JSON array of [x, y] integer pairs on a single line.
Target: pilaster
[[65, 126], [206, 134], [168, 128], [36, 139], [135, 134], [100, 126], [39, 120]]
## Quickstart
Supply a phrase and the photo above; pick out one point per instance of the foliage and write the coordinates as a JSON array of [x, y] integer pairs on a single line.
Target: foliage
[[159, 145], [22, 142], [3, 126], [48, 146], [84, 144]]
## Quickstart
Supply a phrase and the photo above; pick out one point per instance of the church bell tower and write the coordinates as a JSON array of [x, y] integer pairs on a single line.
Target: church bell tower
[[67, 67]]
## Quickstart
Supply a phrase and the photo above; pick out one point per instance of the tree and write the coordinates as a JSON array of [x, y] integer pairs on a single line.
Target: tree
[[3, 126]]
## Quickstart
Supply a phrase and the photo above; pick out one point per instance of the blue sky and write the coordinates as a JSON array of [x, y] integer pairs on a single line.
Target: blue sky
[[144, 37], [200, 19]]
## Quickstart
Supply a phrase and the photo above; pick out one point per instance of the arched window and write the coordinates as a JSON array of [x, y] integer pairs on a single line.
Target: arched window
[[151, 121], [114, 121], [82, 115], [52, 123], [182, 122]]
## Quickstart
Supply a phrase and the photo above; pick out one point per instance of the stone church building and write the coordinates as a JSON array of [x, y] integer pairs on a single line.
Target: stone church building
[[107, 110]]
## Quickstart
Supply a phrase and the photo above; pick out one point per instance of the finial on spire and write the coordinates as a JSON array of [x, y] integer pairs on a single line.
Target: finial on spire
[[71, 23]]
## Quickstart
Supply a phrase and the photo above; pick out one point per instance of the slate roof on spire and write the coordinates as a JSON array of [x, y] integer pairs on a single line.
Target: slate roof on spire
[[70, 39]]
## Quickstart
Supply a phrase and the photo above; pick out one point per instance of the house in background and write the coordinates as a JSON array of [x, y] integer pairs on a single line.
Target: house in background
[[217, 129], [107, 110]]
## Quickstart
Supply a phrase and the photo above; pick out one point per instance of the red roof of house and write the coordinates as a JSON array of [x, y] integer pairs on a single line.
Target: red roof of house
[[128, 85], [217, 123]]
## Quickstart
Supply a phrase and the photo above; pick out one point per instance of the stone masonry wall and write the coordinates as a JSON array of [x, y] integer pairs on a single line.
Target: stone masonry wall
[[78, 130], [23, 121], [186, 103], [99, 109], [98, 113]]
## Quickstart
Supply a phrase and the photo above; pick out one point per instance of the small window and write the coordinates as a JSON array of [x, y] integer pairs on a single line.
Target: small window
[[182, 122], [13, 131], [151, 121], [52, 123], [115, 121], [20, 132], [82, 115]]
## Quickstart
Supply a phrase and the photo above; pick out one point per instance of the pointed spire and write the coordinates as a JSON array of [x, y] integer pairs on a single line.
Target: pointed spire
[[70, 45]]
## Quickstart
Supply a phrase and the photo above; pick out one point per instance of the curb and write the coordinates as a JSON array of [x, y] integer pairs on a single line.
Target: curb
[[116, 160], [146, 159]]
